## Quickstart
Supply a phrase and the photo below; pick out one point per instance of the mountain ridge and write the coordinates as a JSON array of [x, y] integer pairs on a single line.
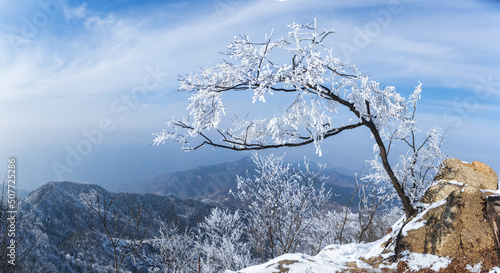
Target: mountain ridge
[[215, 181], [76, 235]]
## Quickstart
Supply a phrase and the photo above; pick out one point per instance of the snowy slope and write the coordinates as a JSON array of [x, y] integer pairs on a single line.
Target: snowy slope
[[375, 256]]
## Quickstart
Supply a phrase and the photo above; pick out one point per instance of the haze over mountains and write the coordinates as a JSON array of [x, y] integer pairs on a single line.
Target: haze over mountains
[[215, 181], [106, 165], [113, 166]]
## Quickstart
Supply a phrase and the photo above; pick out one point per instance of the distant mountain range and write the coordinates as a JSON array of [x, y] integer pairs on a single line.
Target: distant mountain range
[[214, 182]]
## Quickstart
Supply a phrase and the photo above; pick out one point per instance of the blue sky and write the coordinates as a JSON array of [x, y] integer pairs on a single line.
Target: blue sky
[[69, 66]]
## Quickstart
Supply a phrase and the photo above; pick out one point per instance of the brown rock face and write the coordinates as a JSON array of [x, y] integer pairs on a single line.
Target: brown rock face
[[476, 174], [458, 228], [439, 192]]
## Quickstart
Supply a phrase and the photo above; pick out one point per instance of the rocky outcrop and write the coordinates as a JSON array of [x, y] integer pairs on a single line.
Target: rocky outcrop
[[475, 174], [455, 223]]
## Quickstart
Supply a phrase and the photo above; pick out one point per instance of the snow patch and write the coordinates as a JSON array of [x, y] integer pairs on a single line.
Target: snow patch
[[417, 261], [474, 269], [332, 258], [418, 221], [491, 192], [413, 225], [453, 182]]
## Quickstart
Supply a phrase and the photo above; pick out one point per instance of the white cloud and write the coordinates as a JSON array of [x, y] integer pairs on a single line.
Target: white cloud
[[75, 12], [402, 44], [69, 77]]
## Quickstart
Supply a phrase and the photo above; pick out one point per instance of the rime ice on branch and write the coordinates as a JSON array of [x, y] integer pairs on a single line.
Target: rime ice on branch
[[319, 87]]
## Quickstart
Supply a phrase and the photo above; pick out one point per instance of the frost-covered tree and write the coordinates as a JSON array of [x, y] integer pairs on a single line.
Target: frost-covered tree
[[317, 91], [417, 167], [283, 203], [325, 230], [177, 251], [123, 233], [220, 241]]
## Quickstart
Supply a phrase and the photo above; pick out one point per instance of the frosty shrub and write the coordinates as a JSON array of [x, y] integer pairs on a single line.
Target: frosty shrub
[[177, 251], [325, 230], [123, 232], [220, 241], [282, 205]]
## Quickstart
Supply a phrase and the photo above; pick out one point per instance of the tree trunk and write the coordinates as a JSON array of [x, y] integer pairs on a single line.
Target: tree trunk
[[409, 210]]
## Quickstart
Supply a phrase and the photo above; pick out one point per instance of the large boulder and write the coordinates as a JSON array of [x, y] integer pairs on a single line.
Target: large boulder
[[475, 174], [454, 222]]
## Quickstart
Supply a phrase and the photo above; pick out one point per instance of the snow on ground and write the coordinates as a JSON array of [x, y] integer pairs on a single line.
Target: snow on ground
[[332, 258], [416, 261], [336, 258], [474, 269]]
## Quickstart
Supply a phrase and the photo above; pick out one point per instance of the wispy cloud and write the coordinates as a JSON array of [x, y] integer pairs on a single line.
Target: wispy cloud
[[407, 46], [84, 59]]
